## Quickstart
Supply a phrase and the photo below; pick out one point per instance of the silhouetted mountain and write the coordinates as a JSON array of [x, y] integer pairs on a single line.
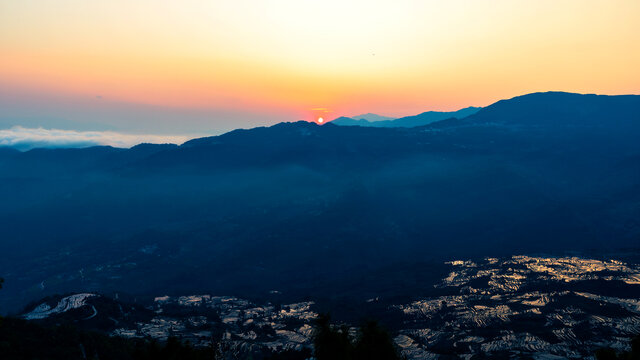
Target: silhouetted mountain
[[347, 121], [309, 209], [433, 116], [302, 143], [561, 109], [408, 121], [372, 117]]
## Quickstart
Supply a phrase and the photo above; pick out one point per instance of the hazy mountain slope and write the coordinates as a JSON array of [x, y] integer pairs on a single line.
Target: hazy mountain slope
[[562, 109], [347, 121], [303, 208], [408, 121], [372, 117], [431, 116]]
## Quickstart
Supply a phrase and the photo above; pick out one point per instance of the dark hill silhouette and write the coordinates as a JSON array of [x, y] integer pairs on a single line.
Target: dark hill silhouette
[[561, 109], [301, 143]]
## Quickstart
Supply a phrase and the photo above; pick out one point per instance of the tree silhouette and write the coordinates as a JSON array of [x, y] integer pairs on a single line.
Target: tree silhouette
[[331, 343], [1, 281], [374, 343], [606, 354], [610, 354], [371, 343]]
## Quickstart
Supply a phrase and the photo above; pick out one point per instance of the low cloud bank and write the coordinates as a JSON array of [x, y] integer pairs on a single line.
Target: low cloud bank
[[28, 138]]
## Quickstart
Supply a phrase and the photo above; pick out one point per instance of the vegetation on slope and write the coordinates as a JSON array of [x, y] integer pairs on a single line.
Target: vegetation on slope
[[610, 354], [335, 343]]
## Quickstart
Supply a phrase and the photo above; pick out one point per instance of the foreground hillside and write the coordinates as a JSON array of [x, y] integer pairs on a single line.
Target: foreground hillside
[[308, 210], [498, 308]]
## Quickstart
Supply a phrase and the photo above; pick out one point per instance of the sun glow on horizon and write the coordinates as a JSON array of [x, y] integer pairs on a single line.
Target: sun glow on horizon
[[255, 57]]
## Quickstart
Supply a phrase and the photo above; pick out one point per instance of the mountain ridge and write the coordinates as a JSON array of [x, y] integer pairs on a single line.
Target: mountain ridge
[[286, 207], [421, 119], [372, 117]]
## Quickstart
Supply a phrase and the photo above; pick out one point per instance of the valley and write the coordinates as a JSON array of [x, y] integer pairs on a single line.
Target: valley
[[542, 307]]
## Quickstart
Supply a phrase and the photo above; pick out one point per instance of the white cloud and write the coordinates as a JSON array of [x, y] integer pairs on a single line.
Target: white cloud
[[29, 138]]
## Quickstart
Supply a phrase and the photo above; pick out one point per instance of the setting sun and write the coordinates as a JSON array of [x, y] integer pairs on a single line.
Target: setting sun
[[210, 66], [320, 120]]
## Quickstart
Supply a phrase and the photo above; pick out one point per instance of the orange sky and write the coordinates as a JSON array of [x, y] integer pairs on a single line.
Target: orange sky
[[247, 62]]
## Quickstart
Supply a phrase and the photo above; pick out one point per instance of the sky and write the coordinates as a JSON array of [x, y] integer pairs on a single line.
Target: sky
[[199, 67]]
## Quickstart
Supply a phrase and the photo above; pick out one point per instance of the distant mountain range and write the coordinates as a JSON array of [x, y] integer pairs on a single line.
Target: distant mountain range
[[372, 117], [425, 118], [308, 210]]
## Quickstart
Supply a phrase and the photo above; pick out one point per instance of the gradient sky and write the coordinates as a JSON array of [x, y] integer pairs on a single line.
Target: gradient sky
[[203, 67]]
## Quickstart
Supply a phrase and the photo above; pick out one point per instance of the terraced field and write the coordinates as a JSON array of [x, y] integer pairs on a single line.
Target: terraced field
[[522, 306]]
